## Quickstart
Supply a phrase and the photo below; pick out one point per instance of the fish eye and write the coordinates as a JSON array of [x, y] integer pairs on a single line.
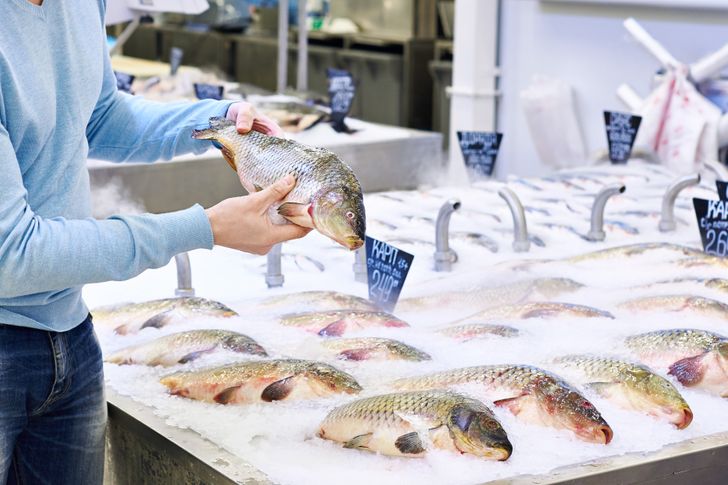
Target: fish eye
[[349, 215]]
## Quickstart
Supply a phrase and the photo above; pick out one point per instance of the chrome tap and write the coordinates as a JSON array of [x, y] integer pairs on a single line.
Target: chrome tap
[[667, 219], [184, 275], [444, 256], [521, 243], [360, 265], [596, 233], [273, 276]]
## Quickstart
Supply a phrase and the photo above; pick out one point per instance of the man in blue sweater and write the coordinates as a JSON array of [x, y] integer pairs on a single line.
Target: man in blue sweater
[[58, 105]]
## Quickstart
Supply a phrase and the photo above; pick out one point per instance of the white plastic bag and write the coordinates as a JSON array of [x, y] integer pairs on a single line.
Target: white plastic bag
[[548, 104]]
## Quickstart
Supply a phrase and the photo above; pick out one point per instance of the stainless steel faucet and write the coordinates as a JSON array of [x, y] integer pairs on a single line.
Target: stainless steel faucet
[[521, 243], [360, 265], [667, 219], [273, 275], [444, 256], [596, 233], [184, 275]]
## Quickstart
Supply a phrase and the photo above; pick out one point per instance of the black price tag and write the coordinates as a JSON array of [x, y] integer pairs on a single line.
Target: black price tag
[[480, 149], [387, 269], [621, 132], [722, 189], [175, 59], [341, 94], [713, 224], [123, 81], [208, 91]]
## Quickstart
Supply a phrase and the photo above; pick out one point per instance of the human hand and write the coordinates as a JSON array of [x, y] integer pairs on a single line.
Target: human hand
[[247, 118], [243, 223]]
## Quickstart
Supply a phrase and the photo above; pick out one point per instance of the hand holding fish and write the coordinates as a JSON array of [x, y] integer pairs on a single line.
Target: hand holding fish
[[247, 118], [243, 223]]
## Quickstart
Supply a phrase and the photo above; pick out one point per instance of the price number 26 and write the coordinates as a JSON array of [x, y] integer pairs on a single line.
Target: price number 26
[[717, 242]]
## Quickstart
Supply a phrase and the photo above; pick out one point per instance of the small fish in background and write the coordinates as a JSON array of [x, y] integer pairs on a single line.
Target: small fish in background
[[541, 310], [470, 214], [409, 423], [386, 225], [563, 181], [471, 331], [327, 195], [620, 227], [537, 210], [531, 394], [336, 323], [535, 240], [184, 347], [563, 227], [697, 358], [262, 381], [411, 241], [476, 239], [302, 262], [719, 284], [129, 318], [628, 385], [639, 249], [697, 305], [373, 348], [526, 183], [702, 260], [291, 116], [314, 301], [419, 220]]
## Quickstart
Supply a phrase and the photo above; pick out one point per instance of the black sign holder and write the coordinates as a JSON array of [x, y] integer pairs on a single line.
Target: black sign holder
[[387, 269], [621, 130], [480, 150]]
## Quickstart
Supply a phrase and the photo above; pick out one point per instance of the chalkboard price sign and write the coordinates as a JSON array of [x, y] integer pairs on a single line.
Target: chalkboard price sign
[[387, 269], [480, 149], [208, 91], [175, 59], [621, 132], [713, 224], [341, 94], [722, 189], [124, 81]]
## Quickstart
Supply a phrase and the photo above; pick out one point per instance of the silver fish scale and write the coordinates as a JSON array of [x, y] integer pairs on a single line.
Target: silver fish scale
[[520, 376], [599, 367], [393, 408], [262, 160], [675, 339]]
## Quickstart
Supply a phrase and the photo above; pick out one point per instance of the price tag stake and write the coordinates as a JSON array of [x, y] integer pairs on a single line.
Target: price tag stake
[[622, 130], [480, 149], [387, 269]]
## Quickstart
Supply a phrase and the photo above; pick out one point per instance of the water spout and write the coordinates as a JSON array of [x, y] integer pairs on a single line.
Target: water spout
[[667, 219], [596, 233], [521, 243], [444, 256]]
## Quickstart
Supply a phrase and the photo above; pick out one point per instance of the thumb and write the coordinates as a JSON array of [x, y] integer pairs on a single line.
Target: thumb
[[277, 191]]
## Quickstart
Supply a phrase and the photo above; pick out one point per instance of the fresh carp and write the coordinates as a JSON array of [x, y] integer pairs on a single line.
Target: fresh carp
[[372, 348], [702, 260], [482, 298], [327, 195], [697, 358], [183, 347], [132, 317], [545, 309], [530, 393], [408, 423], [630, 386], [472, 331], [336, 323], [316, 301], [631, 250], [677, 303], [262, 381], [291, 116]]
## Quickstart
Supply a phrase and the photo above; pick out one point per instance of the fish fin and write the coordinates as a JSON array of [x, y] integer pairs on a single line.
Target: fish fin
[[410, 443], [539, 313], [122, 329], [355, 354], [297, 213], [204, 134], [512, 404], [227, 395], [688, 371], [158, 321], [278, 390], [334, 329], [194, 355], [359, 441], [229, 157], [257, 187], [601, 388], [461, 417]]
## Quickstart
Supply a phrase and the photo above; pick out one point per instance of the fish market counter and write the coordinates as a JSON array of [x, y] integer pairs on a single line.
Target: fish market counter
[[383, 158], [141, 448]]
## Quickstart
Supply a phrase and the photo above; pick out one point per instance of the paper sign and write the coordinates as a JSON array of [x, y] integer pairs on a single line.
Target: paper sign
[[175, 59], [713, 224], [341, 94], [208, 91], [722, 189], [621, 132], [387, 269], [124, 81], [480, 149]]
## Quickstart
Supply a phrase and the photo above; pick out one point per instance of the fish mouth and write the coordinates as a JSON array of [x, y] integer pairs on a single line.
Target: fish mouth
[[352, 243], [687, 418], [601, 435]]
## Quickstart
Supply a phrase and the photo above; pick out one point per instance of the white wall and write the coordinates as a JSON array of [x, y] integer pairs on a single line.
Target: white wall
[[586, 46]]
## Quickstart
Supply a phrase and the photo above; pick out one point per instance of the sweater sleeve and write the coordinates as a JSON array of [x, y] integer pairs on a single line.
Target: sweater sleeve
[[126, 128], [45, 254]]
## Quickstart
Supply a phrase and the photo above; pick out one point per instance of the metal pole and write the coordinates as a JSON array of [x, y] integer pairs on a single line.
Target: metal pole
[[282, 45], [184, 275], [302, 74]]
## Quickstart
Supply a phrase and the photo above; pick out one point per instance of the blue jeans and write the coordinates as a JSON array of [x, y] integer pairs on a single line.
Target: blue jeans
[[52, 406]]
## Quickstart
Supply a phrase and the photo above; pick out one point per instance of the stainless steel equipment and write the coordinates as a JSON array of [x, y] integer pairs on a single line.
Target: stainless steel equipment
[[521, 243], [667, 219], [596, 233], [403, 19], [444, 256]]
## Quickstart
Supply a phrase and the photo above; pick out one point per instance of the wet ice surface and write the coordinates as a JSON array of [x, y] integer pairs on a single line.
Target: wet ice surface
[[280, 438]]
